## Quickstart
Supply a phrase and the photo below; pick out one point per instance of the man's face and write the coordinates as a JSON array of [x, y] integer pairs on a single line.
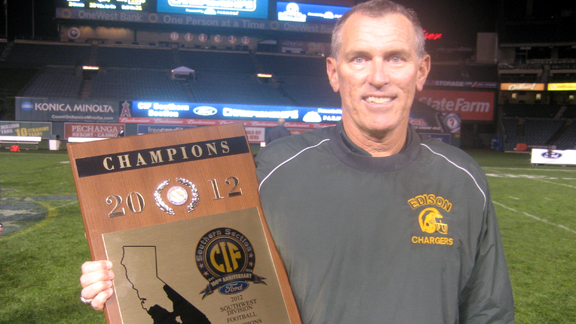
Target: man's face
[[377, 73]]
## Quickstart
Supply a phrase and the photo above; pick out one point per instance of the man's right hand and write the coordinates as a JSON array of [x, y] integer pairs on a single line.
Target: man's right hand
[[96, 281]]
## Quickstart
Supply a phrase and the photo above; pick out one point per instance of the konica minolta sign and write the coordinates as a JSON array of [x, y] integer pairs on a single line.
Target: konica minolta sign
[[66, 110]]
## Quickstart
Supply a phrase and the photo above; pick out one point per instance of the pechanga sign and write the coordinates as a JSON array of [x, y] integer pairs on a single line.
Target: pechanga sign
[[66, 110], [98, 130]]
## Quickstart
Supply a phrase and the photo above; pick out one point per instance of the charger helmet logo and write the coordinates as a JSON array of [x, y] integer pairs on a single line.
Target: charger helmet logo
[[430, 222]]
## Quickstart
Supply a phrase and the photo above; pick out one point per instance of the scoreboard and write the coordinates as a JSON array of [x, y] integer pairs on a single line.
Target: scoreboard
[[122, 5], [259, 9], [230, 8]]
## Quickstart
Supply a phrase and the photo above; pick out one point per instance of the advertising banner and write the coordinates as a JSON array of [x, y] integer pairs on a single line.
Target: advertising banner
[[227, 8], [461, 84], [16, 128], [471, 105], [192, 20], [255, 134], [522, 87], [305, 12], [66, 110], [557, 157], [92, 130], [561, 86], [205, 114], [151, 129], [178, 115]]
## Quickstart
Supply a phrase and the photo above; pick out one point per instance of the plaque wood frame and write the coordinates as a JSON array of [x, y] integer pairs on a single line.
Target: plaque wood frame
[[133, 167]]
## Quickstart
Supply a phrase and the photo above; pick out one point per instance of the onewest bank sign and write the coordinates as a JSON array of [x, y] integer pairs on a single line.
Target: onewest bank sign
[[471, 105], [192, 20]]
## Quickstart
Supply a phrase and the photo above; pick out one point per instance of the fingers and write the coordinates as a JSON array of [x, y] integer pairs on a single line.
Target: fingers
[[94, 271], [99, 300], [91, 266], [96, 281]]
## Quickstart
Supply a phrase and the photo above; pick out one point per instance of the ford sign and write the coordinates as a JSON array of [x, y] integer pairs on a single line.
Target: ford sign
[[551, 155], [205, 111], [233, 287]]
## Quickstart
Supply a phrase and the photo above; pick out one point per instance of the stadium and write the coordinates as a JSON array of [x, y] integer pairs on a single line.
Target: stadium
[[502, 86]]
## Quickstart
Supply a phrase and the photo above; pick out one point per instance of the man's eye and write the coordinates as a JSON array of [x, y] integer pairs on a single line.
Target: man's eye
[[359, 59], [396, 59]]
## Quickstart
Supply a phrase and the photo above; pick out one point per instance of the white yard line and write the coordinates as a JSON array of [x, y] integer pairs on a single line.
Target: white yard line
[[535, 217], [556, 183], [571, 170]]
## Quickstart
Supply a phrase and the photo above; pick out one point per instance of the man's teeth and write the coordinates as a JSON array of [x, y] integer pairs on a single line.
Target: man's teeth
[[378, 99]]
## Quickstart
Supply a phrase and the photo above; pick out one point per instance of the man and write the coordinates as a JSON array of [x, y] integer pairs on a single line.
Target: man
[[277, 131], [374, 223]]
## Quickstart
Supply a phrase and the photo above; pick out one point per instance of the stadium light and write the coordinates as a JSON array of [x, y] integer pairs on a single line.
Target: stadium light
[[264, 75], [90, 71]]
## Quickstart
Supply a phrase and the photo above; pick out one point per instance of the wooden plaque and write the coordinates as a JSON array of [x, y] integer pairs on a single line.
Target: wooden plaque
[[179, 215]]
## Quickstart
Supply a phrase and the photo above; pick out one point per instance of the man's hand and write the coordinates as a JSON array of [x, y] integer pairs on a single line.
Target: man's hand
[[96, 281]]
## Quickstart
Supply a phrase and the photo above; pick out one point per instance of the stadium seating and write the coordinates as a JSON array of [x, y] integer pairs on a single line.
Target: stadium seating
[[142, 72], [309, 91], [301, 78], [287, 64], [143, 58], [39, 55], [532, 132], [568, 138], [217, 61], [240, 88], [137, 84], [56, 82]]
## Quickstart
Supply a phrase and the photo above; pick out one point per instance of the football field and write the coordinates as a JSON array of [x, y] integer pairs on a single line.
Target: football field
[[43, 245]]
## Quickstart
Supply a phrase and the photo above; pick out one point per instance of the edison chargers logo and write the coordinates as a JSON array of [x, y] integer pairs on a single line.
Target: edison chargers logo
[[430, 219], [226, 258]]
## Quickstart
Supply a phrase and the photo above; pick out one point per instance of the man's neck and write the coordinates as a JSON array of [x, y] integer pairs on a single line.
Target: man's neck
[[380, 145]]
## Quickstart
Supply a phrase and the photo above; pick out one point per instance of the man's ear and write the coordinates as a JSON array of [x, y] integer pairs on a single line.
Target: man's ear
[[331, 69], [423, 70]]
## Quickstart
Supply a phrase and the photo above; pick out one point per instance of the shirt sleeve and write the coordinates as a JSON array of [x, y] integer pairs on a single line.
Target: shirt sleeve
[[487, 296]]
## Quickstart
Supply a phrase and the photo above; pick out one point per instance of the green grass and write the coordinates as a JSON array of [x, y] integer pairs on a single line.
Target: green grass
[[40, 262], [40, 258], [537, 216]]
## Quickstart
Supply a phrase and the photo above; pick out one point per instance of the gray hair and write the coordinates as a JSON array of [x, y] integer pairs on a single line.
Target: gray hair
[[376, 9]]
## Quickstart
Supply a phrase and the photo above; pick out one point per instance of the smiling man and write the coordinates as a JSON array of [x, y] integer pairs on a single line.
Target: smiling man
[[375, 223], [377, 65]]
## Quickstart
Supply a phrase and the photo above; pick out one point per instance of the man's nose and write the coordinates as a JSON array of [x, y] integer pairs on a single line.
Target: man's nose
[[379, 73]]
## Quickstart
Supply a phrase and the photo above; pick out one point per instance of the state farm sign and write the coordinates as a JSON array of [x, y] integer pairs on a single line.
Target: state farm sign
[[471, 105]]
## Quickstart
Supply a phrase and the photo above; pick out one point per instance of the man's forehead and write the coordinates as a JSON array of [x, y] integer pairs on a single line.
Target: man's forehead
[[367, 19], [363, 28]]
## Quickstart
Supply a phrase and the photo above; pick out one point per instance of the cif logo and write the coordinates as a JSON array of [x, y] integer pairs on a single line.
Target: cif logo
[[430, 222], [205, 111], [226, 259]]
